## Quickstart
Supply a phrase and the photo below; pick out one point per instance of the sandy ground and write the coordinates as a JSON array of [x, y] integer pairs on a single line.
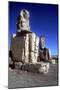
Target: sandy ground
[[23, 79]]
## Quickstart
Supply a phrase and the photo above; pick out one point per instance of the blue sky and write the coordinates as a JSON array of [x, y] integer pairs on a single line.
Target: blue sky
[[43, 20]]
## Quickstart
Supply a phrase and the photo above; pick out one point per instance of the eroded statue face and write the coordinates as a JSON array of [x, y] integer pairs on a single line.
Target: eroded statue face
[[23, 20]]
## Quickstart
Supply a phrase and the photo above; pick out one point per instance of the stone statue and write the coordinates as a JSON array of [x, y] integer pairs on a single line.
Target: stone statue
[[23, 21], [44, 52]]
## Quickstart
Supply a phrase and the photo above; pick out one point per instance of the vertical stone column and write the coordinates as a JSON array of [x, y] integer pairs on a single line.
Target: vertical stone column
[[32, 47], [36, 48], [26, 48]]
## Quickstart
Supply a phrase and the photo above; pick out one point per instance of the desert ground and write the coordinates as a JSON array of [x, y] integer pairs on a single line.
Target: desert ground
[[23, 79]]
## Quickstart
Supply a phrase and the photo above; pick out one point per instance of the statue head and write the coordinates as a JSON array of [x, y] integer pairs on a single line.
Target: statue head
[[23, 19], [42, 41]]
